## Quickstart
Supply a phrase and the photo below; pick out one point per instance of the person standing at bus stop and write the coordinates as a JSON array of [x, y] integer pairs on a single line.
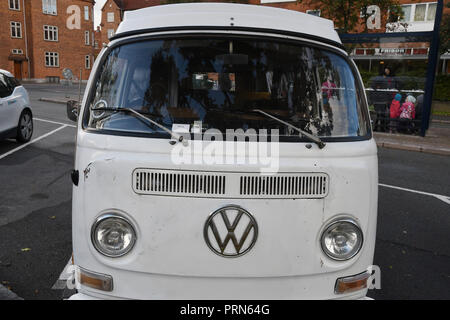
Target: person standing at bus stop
[[384, 91]]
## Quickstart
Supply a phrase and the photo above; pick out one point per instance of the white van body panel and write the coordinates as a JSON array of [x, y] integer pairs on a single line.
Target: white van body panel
[[171, 250]]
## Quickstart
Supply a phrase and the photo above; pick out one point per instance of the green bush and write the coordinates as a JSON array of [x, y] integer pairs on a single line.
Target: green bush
[[442, 88]]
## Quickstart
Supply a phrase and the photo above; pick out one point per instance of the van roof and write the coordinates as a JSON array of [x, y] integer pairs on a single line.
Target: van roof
[[227, 16]]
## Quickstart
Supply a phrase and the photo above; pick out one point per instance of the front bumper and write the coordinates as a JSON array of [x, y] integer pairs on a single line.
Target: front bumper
[[152, 286]]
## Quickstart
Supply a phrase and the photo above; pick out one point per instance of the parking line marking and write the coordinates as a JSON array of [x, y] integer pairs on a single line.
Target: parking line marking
[[446, 199], [55, 122], [32, 141], [66, 274]]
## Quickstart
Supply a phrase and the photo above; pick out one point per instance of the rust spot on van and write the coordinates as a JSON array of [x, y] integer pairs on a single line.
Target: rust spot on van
[[87, 171]]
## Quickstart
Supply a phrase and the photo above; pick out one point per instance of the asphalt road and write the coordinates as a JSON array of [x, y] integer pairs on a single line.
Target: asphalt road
[[35, 212]]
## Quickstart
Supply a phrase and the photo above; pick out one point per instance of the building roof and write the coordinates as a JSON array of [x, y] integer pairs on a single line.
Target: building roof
[[227, 15]]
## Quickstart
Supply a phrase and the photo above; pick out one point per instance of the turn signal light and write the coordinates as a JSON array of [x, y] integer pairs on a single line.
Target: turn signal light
[[350, 284], [95, 280]]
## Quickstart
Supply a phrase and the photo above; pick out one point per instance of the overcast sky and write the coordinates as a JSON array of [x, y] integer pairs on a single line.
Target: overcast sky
[[97, 11]]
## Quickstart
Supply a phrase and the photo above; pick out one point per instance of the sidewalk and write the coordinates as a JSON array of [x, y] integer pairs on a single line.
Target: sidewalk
[[436, 141]]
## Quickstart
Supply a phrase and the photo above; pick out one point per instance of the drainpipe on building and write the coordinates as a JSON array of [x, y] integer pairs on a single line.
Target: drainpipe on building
[[26, 39]]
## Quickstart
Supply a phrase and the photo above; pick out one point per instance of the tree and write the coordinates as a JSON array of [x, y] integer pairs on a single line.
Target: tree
[[348, 13]]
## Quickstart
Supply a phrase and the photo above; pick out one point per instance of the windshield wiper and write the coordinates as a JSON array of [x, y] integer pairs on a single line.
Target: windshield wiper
[[174, 135], [312, 138]]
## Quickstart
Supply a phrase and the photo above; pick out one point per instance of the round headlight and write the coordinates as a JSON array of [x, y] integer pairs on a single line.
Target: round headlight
[[113, 235], [342, 240]]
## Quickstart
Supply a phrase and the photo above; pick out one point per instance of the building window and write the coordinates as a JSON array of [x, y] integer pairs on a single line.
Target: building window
[[421, 12], [96, 45], [50, 33], [17, 51], [86, 13], [87, 62], [52, 59], [110, 17], [313, 12], [49, 6], [86, 38], [431, 12], [14, 4], [110, 33], [16, 29], [406, 13]]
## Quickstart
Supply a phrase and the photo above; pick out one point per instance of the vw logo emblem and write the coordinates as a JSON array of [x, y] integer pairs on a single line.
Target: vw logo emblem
[[230, 231]]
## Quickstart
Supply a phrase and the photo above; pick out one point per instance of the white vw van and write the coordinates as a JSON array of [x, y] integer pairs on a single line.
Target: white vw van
[[224, 151]]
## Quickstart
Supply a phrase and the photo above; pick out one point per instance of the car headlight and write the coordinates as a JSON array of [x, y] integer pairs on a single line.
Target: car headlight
[[113, 235], [342, 240]]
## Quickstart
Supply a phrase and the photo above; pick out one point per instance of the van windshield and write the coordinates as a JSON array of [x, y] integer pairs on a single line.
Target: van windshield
[[216, 83]]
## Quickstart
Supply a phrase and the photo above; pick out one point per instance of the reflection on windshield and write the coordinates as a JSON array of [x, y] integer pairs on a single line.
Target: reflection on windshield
[[183, 81]]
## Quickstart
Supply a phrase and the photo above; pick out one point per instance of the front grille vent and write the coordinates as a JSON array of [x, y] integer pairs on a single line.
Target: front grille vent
[[146, 181], [231, 185], [314, 185]]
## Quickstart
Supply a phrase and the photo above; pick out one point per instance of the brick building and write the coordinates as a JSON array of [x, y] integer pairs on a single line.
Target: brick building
[[111, 17], [39, 39]]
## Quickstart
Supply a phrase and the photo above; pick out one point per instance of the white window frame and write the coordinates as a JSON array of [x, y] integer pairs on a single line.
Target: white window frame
[[53, 30], [87, 62], [87, 38], [86, 13], [54, 56], [48, 6], [110, 33], [314, 10], [413, 11], [17, 27], [109, 15], [17, 51], [16, 5]]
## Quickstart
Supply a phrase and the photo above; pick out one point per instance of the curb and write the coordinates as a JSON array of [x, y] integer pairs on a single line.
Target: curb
[[416, 148], [60, 101], [6, 294]]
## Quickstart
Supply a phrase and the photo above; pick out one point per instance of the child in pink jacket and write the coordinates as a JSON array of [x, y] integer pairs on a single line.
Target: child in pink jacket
[[408, 109], [407, 114]]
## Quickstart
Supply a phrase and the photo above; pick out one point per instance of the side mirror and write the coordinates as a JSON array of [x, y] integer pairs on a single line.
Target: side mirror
[[73, 107]]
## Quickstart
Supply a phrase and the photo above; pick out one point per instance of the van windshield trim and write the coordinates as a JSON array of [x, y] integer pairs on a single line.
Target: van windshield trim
[[169, 33]]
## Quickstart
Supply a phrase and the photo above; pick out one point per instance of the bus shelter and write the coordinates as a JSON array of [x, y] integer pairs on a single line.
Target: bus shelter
[[398, 66]]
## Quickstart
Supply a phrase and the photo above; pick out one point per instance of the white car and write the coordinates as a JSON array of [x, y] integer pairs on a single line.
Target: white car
[[16, 117]]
